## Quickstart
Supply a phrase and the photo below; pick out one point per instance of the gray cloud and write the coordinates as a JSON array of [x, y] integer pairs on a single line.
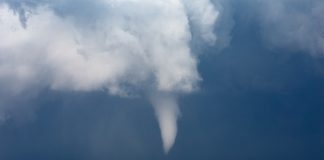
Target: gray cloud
[[296, 25]]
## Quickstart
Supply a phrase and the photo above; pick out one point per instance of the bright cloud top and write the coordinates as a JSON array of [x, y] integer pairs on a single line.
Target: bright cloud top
[[121, 46]]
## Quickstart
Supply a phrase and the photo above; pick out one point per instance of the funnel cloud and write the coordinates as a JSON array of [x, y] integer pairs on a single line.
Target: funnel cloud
[[125, 47], [260, 62], [167, 112]]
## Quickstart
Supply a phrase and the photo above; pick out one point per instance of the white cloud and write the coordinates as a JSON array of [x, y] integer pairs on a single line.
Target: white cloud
[[104, 44]]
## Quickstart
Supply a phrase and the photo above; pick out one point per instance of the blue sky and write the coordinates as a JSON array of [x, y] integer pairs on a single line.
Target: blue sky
[[255, 92]]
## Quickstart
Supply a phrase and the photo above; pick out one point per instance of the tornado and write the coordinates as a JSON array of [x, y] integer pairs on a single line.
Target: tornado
[[124, 47]]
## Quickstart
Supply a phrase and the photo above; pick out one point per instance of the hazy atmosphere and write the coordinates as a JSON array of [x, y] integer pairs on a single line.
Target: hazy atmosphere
[[162, 79]]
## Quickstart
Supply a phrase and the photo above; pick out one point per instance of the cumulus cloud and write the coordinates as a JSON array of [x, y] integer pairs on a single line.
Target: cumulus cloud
[[133, 46], [122, 46]]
